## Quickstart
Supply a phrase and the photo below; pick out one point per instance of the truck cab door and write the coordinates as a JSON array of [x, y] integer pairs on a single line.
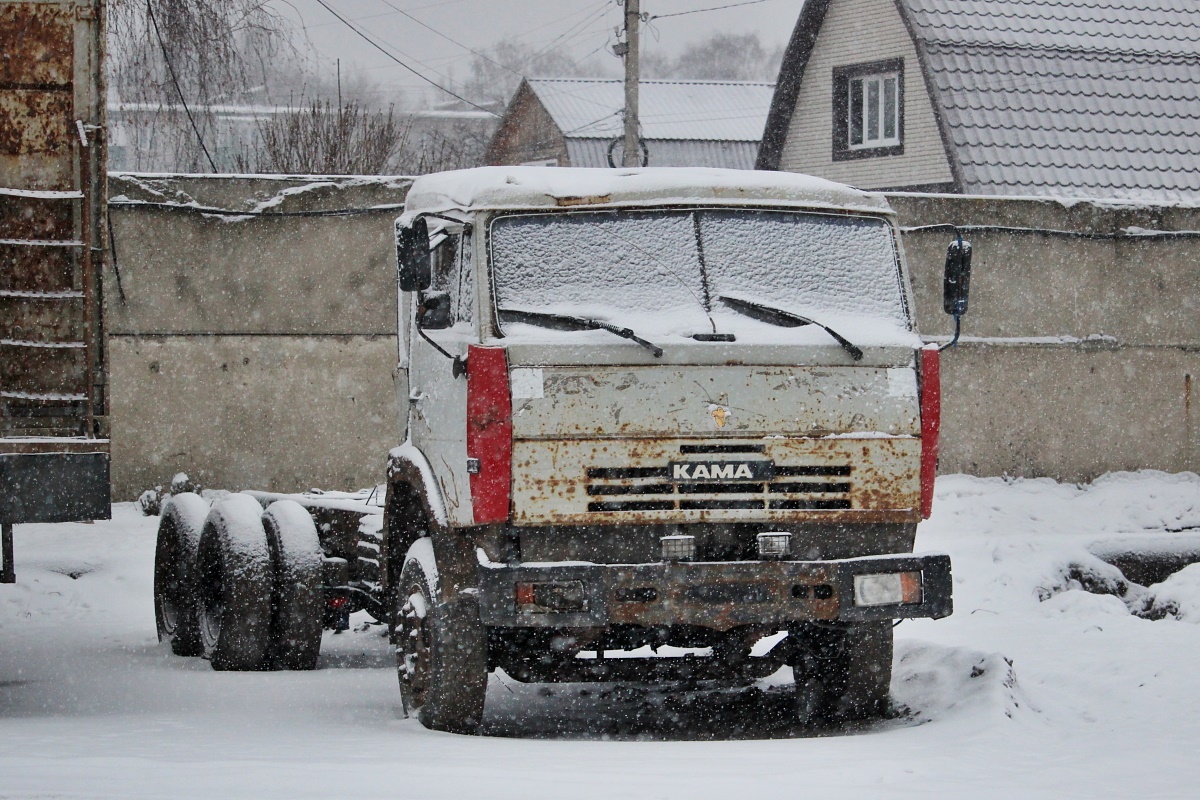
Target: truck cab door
[[437, 391]]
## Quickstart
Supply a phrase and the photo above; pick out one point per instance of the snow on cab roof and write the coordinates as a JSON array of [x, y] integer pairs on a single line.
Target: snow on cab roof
[[512, 188]]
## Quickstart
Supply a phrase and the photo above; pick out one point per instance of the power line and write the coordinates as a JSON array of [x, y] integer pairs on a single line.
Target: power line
[[702, 10], [574, 29], [378, 47], [452, 41], [175, 80]]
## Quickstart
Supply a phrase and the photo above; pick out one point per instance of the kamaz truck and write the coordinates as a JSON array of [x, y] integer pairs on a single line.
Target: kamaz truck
[[680, 416]]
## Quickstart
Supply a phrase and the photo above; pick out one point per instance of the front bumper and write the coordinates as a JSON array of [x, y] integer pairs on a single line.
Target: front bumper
[[716, 595]]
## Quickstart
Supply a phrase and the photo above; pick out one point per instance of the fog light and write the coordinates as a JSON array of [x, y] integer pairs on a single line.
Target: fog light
[[678, 548], [887, 589], [774, 545]]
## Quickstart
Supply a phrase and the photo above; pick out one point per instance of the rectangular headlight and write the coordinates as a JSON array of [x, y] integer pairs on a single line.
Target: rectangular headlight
[[774, 544], [887, 589], [678, 548]]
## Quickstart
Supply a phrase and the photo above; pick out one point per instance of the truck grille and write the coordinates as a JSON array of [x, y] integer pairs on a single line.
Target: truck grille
[[653, 489]]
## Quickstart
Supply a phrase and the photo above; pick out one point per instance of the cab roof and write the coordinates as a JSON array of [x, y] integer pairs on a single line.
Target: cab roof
[[529, 188]]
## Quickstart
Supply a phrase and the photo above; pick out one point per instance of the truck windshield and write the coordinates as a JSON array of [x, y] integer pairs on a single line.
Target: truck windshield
[[662, 272]]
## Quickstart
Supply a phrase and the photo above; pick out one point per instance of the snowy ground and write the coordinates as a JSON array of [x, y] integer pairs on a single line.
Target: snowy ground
[[1034, 688]]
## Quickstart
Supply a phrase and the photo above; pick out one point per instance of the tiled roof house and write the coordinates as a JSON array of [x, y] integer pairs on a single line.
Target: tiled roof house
[[1076, 98], [572, 123]]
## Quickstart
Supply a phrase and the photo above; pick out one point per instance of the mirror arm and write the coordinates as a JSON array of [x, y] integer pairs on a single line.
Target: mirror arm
[[957, 327], [459, 365]]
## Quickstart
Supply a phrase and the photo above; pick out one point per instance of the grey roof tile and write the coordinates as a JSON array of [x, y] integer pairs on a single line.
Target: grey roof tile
[[1073, 97]]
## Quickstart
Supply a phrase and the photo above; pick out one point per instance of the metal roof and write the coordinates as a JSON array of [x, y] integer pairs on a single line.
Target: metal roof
[[680, 110], [485, 188], [669, 153]]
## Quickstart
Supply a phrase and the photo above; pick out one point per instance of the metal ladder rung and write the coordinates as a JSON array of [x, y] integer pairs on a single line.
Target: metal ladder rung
[[41, 194], [49, 345], [42, 242], [53, 397], [21, 294]]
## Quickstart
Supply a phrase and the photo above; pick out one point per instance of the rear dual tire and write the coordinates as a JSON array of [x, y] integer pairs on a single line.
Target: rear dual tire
[[235, 581], [239, 585], [175, 557]]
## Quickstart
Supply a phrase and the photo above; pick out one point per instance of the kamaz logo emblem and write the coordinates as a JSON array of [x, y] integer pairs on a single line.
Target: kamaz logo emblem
[[722, 471]]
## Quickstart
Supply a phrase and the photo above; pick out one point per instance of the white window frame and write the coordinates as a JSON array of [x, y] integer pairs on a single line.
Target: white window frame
[[875, 115]]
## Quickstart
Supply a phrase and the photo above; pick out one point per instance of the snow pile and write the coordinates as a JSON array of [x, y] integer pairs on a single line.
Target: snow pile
[[1178, 596], [932, 682]]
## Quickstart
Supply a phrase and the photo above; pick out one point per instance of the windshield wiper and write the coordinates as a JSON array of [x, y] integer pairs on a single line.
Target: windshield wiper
[[566, 322], [786, 319]]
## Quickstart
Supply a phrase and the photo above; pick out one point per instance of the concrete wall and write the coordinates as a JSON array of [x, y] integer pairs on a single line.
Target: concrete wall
[[1111, 384], [252, 352], [256, 352]]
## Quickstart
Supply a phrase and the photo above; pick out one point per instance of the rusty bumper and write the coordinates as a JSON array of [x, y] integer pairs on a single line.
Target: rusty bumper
[[720, 595]]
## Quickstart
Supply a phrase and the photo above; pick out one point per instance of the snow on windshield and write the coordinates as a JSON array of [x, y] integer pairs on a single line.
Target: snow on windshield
[[644, 269], [607, 265]]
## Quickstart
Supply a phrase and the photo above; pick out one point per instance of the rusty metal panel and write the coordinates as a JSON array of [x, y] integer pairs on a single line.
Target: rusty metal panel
[[40, 369], [586, 401], [613, 482], [36, 44], [52, 207], [36, 319], [35, 121], [28, 269], [26, 217]]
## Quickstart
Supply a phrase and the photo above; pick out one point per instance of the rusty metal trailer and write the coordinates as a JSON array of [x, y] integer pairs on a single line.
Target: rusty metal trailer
[[54, 447]]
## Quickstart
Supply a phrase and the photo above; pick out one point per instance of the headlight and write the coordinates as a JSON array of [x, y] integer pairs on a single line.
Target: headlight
[[887, 589]]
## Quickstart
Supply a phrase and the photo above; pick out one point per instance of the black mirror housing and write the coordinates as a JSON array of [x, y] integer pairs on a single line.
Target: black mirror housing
[[434, 311], [957, 284], [414, 267]]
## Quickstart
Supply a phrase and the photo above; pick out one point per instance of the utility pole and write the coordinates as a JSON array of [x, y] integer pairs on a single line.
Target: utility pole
[[633, 148]]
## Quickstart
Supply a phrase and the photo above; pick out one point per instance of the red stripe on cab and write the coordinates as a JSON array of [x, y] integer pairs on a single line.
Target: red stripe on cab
[[489, 432]]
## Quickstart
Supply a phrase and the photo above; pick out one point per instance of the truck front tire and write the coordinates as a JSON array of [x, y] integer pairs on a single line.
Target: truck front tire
[[441, 651], [842, 674], [234, 590], [175, 572]]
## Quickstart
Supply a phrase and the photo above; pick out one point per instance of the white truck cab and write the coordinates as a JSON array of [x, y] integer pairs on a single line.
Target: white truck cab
[[683, 407]]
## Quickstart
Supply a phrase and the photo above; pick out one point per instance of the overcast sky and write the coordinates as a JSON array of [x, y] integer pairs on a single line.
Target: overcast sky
[[582, 28]]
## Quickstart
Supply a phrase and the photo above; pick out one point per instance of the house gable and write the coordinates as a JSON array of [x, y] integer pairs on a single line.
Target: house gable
[[527, 133], [848, 34]]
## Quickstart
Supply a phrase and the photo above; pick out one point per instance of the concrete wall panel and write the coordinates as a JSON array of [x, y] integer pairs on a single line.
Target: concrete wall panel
[[278, 413]]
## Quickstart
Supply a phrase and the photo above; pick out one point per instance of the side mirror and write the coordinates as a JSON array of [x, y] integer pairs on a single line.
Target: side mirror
[[957, 284], [434, 311], [413, 264]]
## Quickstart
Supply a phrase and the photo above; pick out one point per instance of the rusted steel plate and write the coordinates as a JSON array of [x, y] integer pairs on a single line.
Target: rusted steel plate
[[614, 482], [554, 402], [36, 269], [36, 218], [41, 320], [42, 370], [36, 44], [34, 121]]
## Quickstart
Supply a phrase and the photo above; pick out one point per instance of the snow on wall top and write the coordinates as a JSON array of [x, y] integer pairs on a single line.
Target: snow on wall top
[[556, 187], [689, 110], [1087, 98]]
